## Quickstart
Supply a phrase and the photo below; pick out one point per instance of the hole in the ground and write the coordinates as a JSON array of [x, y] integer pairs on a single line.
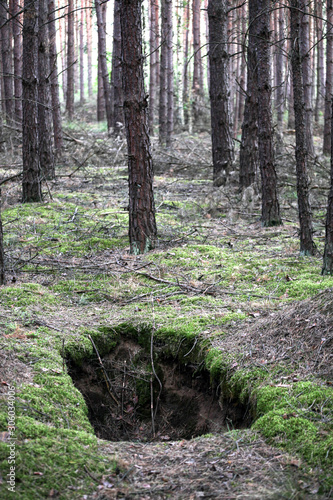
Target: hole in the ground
[[126, 401]]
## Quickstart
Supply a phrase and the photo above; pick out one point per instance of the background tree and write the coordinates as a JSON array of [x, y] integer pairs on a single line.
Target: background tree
[[31, 184], [142, 224], [70, 61], [116, 78], [45, 137], [328, 250], [270, 211], [103, 63], [329, 78], [17, 59], [307, 246], [249, 156], [306, 73], [6, 57], [222, 143]]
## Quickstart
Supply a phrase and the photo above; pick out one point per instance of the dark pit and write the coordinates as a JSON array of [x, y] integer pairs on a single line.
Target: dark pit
[[127, 399]]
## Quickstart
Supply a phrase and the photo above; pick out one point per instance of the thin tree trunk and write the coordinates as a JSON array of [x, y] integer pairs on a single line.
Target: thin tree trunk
[[62, 29], [89, 46], [142, 224], [320, 60], [154, 54], [170, 104], [307, 246], [270, 204], [81, 45], [103, 62], [31, 184], [306, 70], [328, 251], [56, 111], [45, 143], [329, 79], [17, 53], [222, 143], [6, 61], [70, 61], [196, 88], [163, 101], [279, 69], [117, 101], [186, 103], [249, 156]]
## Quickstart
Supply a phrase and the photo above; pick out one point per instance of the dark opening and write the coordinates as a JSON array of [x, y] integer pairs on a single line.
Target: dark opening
[[127, 402]]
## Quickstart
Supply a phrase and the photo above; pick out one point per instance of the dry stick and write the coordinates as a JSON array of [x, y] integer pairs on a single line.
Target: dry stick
[[106, 377], [12, 177], [63, 354]]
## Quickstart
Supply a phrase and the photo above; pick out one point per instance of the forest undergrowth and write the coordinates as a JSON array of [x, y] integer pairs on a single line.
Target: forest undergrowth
[[220, 296]]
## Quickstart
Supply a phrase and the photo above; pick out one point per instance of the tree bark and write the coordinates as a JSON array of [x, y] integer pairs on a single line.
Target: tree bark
[[328, 251], [154, 54], [307, 76], [249, 155], [307, 246], [170, 106], [186, 103], [17, 54], [222, 143], [31, 184], [117, 89], [163, 101], [196, 87], [142, 224], [103, 62], [56, 111], [270, 204], [89, 46], [329, 79], [81, 45], [70, 61], [45, 140], [6, 61], [320, 60], [280, 70]]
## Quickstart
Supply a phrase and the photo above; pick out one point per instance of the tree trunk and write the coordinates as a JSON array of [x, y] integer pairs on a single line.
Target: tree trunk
[[56, 111], [328, 251], [63, 51], [103, 62], [17, 53], [270, 204], [279, 70], [249, 156], [6, 61], [117, 101], [70, 61], [45, 143], [307, 76], [196, 88], [222, 143], [32, 191], [81, 45], [154, 54], [186, 103], [320, 60], [89, 46], [307, 246], [169, 42], [329, 79], [163, 102], [142, 224]]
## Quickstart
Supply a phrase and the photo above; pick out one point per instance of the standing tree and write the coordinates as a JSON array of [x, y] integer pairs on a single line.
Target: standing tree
[[329, 78], [116, 80], [249, 158], [307, 246], [103, 62], [81, 56], [328, 251], [89, 45], [222, 143], [270, 214], [45, 139], [163, 101], [154, 54], [6, 61], [307, 74], [17, 57], [56, 111], [196, 83], [70, 61], [169, 43], [142, 224], [31, 184]]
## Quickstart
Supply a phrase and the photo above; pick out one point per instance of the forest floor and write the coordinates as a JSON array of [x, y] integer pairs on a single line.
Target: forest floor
[[224, 326]]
